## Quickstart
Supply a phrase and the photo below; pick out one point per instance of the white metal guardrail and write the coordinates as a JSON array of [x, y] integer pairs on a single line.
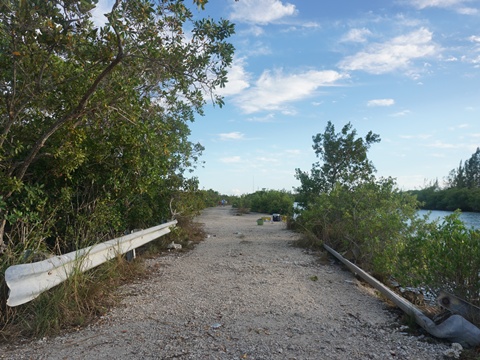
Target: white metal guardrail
[[27, 281]]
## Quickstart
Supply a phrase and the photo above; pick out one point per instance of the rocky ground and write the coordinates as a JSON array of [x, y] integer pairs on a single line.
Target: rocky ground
[[243, 293]]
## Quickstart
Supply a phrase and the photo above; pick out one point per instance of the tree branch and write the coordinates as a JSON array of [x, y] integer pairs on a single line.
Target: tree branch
[[77, 111]]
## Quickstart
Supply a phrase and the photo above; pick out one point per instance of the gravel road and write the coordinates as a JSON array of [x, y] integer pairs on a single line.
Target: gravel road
[[243, 293]]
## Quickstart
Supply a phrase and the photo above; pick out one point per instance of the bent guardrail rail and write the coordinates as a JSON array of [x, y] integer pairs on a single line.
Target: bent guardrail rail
[[27, 281], [455, 328], [458, 306]]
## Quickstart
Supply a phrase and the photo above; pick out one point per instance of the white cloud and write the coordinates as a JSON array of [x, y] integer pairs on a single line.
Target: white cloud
[[395, 54], [237, 79], [357, 35], [422, 4], [261, 11], [98, 13], [256, 49], [231, 160], [253, 30], [381, 102], [401, 113], [293, 152], [235, 135], [267, 159], [451, 59], [467, 11], [274, 89], [236, 192], [418, 136], [456, 5], [441, 145], [475, 61], [264, 119], [474, 38], [311, 24]]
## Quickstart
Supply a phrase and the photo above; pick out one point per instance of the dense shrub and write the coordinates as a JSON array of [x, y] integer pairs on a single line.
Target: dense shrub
[[374, 224], [368, 223], [443, 256], [266, 201], [434, 198]]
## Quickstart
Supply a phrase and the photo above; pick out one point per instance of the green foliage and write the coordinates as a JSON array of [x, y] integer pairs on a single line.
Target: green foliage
[[212, 198], [267, 201], [434, 198], [462, 191], [367, 223], [374, 224], [468, 174], [443, 256], [343, 161], [94, 130], [242, 204], [94, 120]]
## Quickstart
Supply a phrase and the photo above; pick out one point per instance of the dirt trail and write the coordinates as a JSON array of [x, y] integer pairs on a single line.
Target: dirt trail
[[243, 293]]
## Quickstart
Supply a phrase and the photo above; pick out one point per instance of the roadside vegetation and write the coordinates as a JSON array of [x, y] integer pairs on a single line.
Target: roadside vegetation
[[374, 224], [94, 134], [265, 201], [94, 143], [85, 296]]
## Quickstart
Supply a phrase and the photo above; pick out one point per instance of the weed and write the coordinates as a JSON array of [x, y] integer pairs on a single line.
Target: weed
[[470, 354], [75, 302], [309, 241], [84, 295]]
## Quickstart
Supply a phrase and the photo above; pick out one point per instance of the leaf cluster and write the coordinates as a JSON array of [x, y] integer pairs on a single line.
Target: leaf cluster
[[95, 118], [367, 223], [374, 224], [267, 202], [343, 160], [443, 256], [467, 175]]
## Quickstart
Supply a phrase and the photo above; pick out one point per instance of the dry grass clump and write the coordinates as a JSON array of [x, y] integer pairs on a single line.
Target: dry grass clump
[[187, 233], [71, 304]]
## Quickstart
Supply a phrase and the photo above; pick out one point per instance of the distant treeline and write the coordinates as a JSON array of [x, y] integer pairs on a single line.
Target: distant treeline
[[461, 192], [433, 198], [265, 201]]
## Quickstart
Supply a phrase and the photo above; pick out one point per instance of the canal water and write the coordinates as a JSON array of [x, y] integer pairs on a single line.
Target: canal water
[[471, 219]]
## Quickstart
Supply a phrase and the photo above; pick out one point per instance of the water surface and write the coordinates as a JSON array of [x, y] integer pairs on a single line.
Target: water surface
[[471, 219]]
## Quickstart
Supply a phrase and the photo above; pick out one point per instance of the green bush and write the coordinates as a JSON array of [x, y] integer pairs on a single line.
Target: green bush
[[374, 224], [367, 223], [443, 256], [267, 201]]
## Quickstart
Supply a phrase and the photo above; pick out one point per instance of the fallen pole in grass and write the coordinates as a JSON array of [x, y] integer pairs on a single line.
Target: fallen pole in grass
[[455, 329]]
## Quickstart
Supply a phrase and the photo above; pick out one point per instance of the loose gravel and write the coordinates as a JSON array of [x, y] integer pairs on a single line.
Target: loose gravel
[[243, 293]]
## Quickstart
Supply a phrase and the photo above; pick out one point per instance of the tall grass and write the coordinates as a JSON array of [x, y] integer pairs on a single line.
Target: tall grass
[[84, 295], [75, 302]]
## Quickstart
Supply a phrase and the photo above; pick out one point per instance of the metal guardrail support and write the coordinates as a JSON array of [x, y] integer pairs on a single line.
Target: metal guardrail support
[[27, 281], [459, 306]]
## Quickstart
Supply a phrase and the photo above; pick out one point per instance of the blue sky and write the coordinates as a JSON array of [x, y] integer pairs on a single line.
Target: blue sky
[[409, 70]]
